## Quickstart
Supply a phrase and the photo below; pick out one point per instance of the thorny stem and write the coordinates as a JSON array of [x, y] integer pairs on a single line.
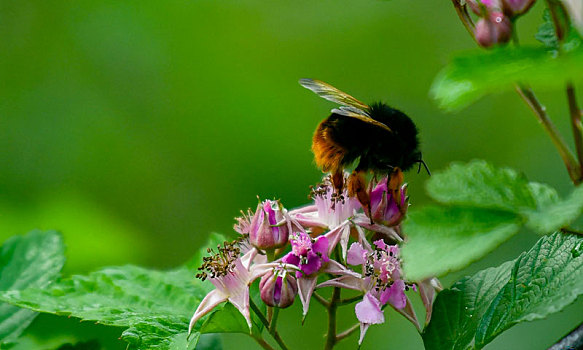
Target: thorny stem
[[529, 97], [347, 332], [263, 320], [331, 335], [574, 111]]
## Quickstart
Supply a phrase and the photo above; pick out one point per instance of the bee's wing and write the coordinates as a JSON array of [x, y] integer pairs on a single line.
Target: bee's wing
[[359, 114], [331, 93]]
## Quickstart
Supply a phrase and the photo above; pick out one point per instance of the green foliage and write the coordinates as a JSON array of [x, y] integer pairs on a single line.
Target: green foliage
[[154, 306], [483, 207], [480, 185], [443, 239], [30, 261], [472, 75], [476, 309], [548, 37]]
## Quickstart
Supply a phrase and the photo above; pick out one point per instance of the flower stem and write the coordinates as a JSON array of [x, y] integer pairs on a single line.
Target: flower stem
[[331, 336], [273, 322], [347, 332], [263, 320]]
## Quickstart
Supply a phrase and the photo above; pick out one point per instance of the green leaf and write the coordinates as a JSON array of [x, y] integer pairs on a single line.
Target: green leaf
[[551, 212], [540, 282], [546, 32], [472, 75], [548, 37], [442, 239], [485, 206], [543, 281], [155, 307], [481, 185], [30, 261], [457, 311]]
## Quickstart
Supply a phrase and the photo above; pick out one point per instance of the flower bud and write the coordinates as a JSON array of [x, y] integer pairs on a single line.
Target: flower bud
[[268, 228], [513, 8], [481, 6], [385, 208], [278, 288], [495, 29]]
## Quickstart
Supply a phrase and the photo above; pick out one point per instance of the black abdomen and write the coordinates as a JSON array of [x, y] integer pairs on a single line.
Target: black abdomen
[[379, 150]]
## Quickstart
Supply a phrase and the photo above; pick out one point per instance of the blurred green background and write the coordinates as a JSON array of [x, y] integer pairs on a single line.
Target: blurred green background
[[139, 127]]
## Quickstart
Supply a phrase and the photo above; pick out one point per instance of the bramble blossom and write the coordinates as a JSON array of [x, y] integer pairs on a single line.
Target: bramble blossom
[[289, 251]]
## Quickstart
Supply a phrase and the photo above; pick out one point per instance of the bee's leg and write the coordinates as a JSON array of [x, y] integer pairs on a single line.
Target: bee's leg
[[357, 187], [338, 184], [396, 179]]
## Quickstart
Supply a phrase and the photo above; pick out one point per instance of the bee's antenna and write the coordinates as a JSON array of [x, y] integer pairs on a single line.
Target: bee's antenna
[[425, 165], [419, 167]]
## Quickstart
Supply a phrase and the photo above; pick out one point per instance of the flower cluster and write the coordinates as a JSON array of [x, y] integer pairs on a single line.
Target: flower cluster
[[332, 238], [496, 17]]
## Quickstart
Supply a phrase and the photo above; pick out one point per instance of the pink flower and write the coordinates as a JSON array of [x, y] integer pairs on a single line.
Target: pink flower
[[231, 276], [385, 208], [330, 209], [278, 288], [268, 228], [380, 282], [306, 253], [311, 256]]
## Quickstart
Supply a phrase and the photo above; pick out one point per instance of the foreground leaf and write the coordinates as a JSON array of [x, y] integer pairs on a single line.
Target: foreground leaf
[[154, 306], [540, 282], [30, 261], [470, 76], [444, 239]]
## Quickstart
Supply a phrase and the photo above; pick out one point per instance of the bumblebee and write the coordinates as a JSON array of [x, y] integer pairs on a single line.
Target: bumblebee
[[377, 138]]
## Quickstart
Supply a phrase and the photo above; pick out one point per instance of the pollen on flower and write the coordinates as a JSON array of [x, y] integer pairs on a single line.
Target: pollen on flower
[[220, 263], [325, 189]]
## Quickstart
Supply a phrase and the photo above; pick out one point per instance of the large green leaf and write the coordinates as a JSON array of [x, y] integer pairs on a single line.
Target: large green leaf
[[442, 239], [30, 261], [472, 75], [483, 207], [155, 307], [476, 309]]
